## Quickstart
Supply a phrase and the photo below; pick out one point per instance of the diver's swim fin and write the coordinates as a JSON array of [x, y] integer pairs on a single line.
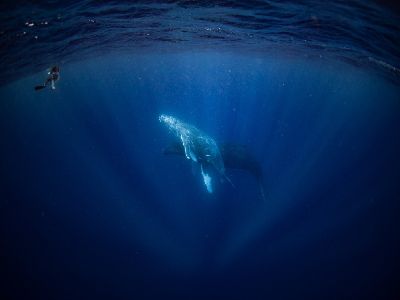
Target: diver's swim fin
[[39, 87]]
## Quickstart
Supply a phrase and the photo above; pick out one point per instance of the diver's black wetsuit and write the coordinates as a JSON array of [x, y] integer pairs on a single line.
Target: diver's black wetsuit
[[54, 75]]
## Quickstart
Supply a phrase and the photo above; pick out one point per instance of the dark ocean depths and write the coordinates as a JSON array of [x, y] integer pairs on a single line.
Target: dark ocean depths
[[91, 208]]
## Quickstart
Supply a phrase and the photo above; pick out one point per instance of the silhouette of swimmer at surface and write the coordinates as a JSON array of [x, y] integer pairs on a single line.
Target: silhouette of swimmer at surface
[[54, 75]]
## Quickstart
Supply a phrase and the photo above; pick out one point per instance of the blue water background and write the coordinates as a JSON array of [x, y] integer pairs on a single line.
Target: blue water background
[[92, 208]]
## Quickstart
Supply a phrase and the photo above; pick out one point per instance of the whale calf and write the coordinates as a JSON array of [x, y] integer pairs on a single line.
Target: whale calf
[[199, 148]]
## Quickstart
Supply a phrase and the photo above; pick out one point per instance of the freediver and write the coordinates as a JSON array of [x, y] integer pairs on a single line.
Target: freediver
[[54, 75]]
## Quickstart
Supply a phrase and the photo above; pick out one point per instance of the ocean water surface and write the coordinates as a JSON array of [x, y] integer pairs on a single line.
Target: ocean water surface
[[305, 95]]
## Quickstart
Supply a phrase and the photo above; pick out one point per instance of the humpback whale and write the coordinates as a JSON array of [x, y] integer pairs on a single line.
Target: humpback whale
[[234, 156], [198, 147]]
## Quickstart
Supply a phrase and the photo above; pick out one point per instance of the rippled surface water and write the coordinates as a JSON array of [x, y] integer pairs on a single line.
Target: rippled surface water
[[361, 33]]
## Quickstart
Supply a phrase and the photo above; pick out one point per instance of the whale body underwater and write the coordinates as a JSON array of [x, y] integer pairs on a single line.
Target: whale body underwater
[[202, 149]]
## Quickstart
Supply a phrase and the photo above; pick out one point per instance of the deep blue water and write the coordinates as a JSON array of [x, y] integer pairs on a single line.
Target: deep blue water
[[91, 208]]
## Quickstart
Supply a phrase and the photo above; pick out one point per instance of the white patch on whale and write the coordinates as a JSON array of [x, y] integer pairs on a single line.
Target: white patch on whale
[[207, 180], [198, 147]]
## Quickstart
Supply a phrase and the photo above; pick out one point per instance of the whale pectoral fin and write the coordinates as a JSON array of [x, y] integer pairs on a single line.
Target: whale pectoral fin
[[188, 148], [206, 179]]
